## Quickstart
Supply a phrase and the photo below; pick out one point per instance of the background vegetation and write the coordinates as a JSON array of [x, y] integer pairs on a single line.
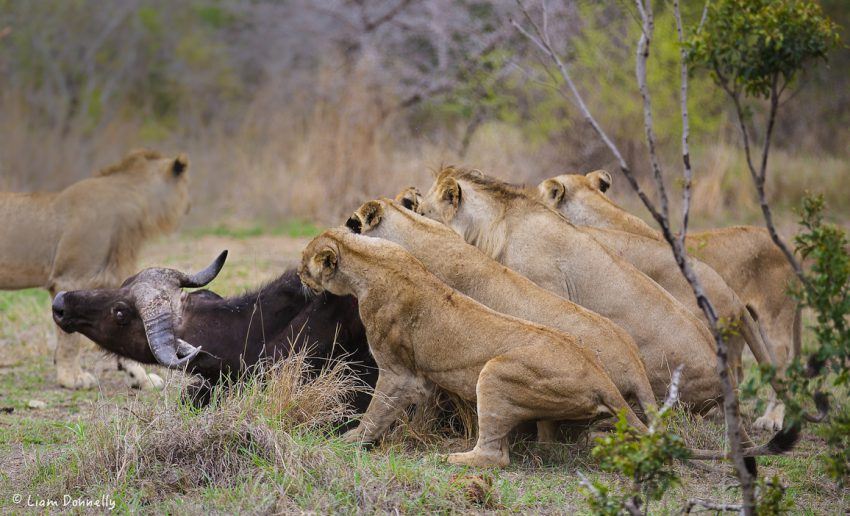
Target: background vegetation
[[303, 109]]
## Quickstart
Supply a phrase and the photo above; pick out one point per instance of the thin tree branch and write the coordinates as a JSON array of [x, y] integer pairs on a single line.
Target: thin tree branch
[[730, 400], [712, 506], [759, 176], [371, 25], [686, 128], [641, 58], [703, 17], [672, 396]]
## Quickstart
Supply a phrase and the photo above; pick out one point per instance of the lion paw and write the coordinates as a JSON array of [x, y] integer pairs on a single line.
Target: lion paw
[[769, 422], [151, 382], [479, 459], [138, 377], [78, 379], [353, 436]]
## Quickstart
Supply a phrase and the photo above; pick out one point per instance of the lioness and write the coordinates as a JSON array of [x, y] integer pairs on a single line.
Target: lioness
[[465, 268], [539, 243], [89, 236], [744, 256], [423, 333]]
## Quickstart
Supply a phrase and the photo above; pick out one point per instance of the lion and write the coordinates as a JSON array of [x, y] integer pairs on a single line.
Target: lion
[[89, 236], [463, 267], [535, 241], [424, 334], [744, 256]]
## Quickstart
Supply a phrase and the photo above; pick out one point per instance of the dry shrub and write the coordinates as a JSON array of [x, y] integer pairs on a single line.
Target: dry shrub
[[297, 397], [166, 447]]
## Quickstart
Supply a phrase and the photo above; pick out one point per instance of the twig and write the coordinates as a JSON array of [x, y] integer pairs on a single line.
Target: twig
[[672, 391], [712, 506], [686, 128], [584, 481], [647, 29]]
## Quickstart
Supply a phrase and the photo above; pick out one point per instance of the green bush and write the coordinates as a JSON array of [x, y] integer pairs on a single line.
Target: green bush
[[647, 459], [749, 45]]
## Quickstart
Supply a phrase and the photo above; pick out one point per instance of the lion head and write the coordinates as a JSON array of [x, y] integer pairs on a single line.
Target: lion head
[[161, 181], [561, 189], [582, 200]]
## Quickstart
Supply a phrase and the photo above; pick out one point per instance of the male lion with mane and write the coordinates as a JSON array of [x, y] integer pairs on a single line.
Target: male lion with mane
[[88, 236]]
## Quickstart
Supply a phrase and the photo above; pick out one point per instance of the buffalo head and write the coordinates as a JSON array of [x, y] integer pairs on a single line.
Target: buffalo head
[[138, 319]]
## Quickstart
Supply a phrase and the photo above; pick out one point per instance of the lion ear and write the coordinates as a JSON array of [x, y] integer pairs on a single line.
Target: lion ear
[[553, 191], [181, 163], [599, 179], [327, 258], [354, 224], [409, 198], [371, 214], [408, 203], [451, 192]]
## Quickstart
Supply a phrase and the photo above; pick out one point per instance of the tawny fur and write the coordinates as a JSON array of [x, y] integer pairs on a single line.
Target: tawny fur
[[744, 256], [526, 236], [89, 236], [465, 268], [423, 333]]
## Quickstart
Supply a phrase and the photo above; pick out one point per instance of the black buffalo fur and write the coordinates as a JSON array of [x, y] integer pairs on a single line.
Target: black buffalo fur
[[236, 333]]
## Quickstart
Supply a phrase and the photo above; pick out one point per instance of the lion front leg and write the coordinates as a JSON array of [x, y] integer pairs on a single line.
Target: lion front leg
[[69, 374], [394, 392]]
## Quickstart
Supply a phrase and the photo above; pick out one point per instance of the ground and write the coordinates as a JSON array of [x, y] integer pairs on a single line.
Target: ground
[[72, 445]]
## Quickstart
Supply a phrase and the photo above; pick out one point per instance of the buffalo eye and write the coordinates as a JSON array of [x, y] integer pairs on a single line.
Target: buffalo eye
[[121, 314]]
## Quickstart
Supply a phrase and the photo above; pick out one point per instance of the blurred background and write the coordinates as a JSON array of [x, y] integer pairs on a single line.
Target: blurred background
[[300, 110]]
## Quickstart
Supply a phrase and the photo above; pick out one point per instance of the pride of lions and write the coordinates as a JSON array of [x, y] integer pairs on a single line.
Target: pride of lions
[[541, 304]]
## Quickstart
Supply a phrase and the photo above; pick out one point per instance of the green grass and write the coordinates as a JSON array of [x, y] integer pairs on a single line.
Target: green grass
[[293, 228]]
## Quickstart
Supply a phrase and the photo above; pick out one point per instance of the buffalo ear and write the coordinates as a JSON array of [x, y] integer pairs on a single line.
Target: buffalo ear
[[451, 192], [553, 191], [599, 179]]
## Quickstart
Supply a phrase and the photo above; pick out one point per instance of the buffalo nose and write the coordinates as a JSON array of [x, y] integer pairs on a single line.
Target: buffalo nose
[[59, 306]]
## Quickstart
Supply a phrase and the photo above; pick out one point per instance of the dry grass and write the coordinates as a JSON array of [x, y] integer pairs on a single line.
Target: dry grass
[[166, 447]]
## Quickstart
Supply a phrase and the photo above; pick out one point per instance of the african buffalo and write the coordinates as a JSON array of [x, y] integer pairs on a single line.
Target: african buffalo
[[151, 319]]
